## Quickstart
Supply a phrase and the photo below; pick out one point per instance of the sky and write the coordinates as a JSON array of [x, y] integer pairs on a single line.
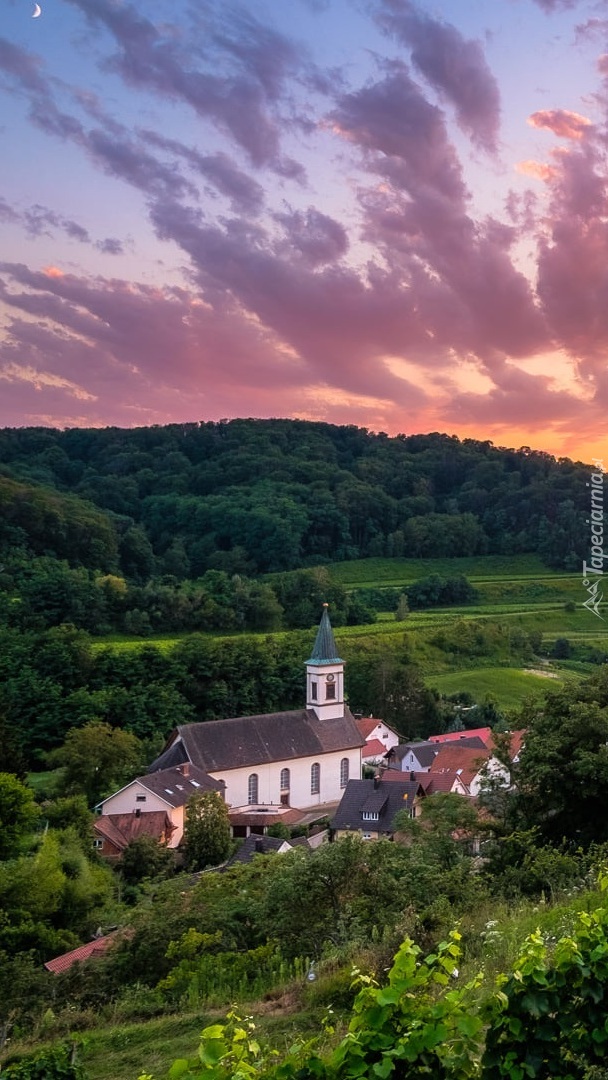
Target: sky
[[380, 213]]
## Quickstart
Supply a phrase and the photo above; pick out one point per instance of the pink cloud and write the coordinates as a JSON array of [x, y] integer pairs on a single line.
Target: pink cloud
[[562, 122]]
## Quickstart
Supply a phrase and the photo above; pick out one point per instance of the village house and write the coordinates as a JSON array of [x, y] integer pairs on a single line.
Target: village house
[[369, 807], [142, 806], [374, 730]]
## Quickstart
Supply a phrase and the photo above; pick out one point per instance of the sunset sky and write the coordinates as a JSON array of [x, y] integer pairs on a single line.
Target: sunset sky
[[375, 213]]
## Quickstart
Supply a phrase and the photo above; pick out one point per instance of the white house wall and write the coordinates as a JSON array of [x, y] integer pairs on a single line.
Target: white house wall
[[385, 735], [410, 763], [126, 802], [269, 780]]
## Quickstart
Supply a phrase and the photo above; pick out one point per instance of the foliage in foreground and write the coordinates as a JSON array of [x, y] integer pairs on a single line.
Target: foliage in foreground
[[546, 1020], [58, 1063]]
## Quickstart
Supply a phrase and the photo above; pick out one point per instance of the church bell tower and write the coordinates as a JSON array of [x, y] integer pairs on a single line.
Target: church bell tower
[[325, 674]]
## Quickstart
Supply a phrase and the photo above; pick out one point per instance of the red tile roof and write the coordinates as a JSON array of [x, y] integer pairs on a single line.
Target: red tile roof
[[463, 761], [484, 733], [121, 829], [83, 952], [441, 781], [517, 739], [253, 815], [366, 725], [373, 748]]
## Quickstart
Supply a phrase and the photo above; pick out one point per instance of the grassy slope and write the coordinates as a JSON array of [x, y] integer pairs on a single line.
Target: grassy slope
[[508, 687], [369, 573]]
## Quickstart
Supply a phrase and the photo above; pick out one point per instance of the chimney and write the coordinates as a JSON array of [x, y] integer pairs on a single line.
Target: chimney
[[185, 768], [138, 812], [259, 845], [376, 781], [412, 776]]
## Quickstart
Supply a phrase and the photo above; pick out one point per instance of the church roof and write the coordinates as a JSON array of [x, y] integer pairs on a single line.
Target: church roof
[[218, 745], [324, 649]]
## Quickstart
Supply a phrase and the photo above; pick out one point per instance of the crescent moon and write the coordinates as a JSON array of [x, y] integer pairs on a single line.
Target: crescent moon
[[37, 11]]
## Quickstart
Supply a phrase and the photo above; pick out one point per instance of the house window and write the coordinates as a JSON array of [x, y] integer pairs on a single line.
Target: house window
[[313, 691], [284, 779], [140, 798], [252, 788], [315, 778], [370, 815], [344, 767], [330, 689], [98, 844]]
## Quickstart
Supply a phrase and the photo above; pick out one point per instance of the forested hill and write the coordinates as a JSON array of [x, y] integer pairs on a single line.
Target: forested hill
[[254, 496]]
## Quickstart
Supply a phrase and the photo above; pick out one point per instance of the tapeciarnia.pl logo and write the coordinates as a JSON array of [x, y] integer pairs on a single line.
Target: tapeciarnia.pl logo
[[593, 570]]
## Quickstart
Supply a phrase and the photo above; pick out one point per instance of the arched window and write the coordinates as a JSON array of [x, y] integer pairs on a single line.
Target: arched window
[[315, 778], [344, 767], [285, 779], [252, 788]]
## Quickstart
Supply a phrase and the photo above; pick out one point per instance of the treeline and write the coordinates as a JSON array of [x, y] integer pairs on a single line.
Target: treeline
[[36, 594], [257, 496]]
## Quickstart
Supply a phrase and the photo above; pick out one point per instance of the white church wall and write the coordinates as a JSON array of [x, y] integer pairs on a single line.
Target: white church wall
[[300, 796]]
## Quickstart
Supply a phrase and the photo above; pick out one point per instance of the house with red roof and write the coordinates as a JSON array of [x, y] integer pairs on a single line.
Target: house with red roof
[[373, 753], [114, 832], [372, 730], [461, 769], [483, 733]]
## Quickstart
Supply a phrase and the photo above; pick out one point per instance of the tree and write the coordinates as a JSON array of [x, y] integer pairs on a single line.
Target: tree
[[207, 831], [18, 814], [145, 858], [444, 831], [97, 758], [562, 780], [403, 608], [70, 812]]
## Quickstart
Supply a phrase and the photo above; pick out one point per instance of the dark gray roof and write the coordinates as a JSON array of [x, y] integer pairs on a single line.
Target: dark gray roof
[[425, 752], [375, 801], [255, 845], [324, 649], [176, 788], [386, 797], [240, 741]]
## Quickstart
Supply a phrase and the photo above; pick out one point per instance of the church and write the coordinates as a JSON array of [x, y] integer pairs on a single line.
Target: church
[[302, 758]]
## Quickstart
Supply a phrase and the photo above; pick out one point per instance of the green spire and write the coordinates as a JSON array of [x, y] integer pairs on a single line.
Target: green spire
[[324, 649]]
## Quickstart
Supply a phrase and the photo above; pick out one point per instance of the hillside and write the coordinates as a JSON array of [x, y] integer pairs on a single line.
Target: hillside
[[256, 496]]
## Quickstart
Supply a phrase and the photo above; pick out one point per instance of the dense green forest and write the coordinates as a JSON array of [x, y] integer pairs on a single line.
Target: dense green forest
[[257, 496]]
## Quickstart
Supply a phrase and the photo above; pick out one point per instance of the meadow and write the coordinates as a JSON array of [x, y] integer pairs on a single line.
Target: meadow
[[508, 687]]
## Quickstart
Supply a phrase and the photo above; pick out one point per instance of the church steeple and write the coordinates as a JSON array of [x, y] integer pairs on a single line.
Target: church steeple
[[325, 674]]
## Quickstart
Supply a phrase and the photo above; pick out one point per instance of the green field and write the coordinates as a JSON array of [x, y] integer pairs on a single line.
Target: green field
[[508, 687], [391, 573]]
